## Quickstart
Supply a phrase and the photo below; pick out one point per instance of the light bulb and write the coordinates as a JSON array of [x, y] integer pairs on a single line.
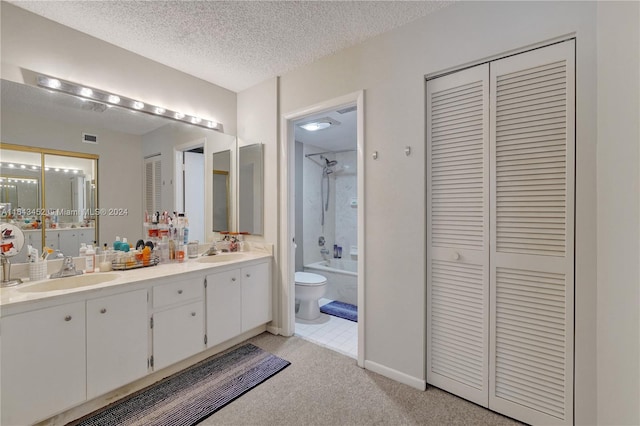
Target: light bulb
[[114, 99], [86, 92], [138, 105]]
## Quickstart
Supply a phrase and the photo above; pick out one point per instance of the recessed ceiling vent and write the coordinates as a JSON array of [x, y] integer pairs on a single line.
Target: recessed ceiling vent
[[347, 109], [93, 106], [89, 138]]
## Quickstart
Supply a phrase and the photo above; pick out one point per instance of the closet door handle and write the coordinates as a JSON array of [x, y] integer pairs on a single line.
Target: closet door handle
[[455, 255], [103, 310]]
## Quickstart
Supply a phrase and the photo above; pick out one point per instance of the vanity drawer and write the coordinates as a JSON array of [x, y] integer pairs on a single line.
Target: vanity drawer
[[177, 292]]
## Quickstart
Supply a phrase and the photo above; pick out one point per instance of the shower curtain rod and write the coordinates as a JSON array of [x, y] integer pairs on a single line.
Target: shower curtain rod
[[329, 152]]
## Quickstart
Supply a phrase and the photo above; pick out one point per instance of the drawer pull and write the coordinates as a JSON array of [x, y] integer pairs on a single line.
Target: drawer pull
[[103, 311], [193, 314], [179, 291], [67, 318]]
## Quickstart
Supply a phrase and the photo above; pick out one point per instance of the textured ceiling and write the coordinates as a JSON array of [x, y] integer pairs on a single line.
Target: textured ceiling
[[234, 44]]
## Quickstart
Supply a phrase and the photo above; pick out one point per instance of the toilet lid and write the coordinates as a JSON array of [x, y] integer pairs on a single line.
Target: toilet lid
[[307, 278]]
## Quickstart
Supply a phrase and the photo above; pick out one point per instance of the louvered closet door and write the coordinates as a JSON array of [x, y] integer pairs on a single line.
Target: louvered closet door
[[532, 235], [457, 233]]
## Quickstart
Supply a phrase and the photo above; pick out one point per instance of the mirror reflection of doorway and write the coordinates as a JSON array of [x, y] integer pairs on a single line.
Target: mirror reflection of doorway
[[191, 199]]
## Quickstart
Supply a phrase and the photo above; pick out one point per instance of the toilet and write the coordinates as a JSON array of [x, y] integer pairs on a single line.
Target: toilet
[[309, 289]]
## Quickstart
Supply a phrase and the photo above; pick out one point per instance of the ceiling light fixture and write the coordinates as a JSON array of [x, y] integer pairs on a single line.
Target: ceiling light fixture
[[97, 95], [319, 124]]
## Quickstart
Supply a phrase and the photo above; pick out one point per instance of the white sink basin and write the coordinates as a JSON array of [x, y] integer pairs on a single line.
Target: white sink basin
[[227, 257], [68, 283]]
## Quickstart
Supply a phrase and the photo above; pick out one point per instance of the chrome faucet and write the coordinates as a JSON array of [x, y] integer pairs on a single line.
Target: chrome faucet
[[68, 269], [211, 251]]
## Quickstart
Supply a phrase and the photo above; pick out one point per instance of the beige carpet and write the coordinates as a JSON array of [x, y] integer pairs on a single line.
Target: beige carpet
[[323, 387]]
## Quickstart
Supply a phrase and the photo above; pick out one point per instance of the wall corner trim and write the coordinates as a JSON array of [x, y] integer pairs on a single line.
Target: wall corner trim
[[396, 375]]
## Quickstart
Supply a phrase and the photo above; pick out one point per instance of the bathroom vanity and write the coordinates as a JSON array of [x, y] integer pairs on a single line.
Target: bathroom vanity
[[64, 344]]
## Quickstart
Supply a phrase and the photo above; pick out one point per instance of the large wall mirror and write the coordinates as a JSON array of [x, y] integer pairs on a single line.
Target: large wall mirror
[[221, 191], [250, 189], [51, 195], [24, 110]]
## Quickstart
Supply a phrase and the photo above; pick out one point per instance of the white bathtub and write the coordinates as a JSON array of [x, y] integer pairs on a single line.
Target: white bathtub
[[342, 278]]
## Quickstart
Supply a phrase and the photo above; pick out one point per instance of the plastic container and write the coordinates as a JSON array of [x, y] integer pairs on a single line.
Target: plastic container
[[83, 249], [90, 260], [192, 249], [37, 270]]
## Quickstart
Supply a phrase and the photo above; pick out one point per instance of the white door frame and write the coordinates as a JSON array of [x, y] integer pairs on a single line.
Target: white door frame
[[287, 209], [177, 168]]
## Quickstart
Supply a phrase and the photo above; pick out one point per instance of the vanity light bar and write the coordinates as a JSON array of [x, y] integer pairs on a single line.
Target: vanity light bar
[[111, 99]]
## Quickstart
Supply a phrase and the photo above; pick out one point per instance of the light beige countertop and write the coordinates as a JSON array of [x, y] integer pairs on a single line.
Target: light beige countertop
[[18, 298]]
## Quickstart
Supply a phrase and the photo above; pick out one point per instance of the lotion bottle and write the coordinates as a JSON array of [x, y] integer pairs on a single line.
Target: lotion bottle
[[90, 259]]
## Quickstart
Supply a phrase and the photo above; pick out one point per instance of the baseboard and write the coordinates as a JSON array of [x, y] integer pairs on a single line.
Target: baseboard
[[396, 375], [274, 330]]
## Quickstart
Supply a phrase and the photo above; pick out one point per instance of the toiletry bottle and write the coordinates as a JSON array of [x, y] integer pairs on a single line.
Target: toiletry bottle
[[124, 245], [90, 260], [116, 244], [186, 229], [83, 249]]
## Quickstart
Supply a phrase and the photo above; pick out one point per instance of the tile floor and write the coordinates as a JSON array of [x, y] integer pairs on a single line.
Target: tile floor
[[335, 333]]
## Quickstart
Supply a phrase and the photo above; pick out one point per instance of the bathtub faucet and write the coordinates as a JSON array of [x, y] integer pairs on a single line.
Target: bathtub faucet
[[324, 251]]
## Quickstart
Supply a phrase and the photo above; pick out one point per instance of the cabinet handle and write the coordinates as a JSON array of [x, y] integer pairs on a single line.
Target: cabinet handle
[[233, 279], [193, 314], [67, 318], [179, 291], [103, 311], [248, 275]]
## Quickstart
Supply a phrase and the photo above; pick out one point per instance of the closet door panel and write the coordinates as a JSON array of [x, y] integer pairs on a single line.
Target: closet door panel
[[532, 237], [457, 233]]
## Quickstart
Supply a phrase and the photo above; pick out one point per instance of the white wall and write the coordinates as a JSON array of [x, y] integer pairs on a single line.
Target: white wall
[[346, 188], [391, 69], [618, 213], [313, 205], [258, 123], [30, 42]]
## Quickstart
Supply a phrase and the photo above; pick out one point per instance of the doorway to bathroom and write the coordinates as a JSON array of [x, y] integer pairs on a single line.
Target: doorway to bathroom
[[325, 225]]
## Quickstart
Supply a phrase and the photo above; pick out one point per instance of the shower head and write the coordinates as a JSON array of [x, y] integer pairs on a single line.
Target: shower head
[[330, 163]]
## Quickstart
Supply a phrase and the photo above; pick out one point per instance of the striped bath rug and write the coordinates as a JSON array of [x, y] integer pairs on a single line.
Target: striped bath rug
[[190, 396], [341, 310]]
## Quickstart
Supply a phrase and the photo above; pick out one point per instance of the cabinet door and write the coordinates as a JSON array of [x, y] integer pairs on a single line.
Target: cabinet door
[[458, 233], [43, 363], [223, 306], [86, 235], [51, 240], [256, 296], [532, 235], [69, 242], [178, 333], [117, 345]]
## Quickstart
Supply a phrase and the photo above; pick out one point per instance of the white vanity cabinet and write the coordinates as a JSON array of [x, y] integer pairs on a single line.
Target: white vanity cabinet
[[43, 362], [177, 321], [117, 341], [237, 301], [224, 293]]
